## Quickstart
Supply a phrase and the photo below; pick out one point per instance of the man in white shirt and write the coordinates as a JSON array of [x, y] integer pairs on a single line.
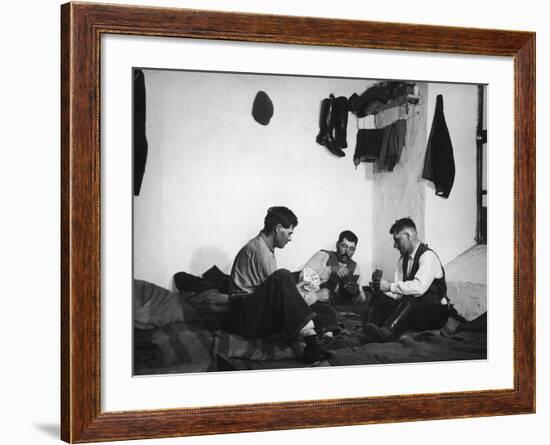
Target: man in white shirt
[[416, 298]]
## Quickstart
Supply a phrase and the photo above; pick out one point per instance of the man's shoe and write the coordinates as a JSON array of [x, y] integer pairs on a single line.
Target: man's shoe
[[376, 334], [314, 350]]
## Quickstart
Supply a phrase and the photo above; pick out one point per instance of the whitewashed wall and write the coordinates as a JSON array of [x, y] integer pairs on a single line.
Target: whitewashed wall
[[212, 172], [451, 223], [402, 192]]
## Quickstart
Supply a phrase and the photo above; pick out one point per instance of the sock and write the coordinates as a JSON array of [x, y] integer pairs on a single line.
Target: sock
[[308, 329]]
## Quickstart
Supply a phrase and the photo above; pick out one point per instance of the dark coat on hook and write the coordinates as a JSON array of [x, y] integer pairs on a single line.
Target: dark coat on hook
[[439, 164]]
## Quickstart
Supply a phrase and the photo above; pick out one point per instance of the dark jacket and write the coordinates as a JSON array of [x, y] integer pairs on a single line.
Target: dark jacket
[[439, 164]]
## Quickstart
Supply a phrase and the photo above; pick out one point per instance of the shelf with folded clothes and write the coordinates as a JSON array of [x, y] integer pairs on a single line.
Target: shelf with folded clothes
[[374, 108]]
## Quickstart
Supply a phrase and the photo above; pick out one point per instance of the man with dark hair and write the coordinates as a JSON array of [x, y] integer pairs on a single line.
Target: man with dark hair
[[340, 275], [265, 300], [417, 297]]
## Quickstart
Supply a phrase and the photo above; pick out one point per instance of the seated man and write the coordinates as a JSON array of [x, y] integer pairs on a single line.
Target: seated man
[[265, 300], [418, 296], [340, 275]]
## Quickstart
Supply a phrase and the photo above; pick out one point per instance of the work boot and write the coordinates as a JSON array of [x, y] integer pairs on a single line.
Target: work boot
[[314, 350], [393, 327], [341, 121], [326, 127]]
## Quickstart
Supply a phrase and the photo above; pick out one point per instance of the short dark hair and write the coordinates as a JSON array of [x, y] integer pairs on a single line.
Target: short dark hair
[[279, 215], [349, 235], [400, 224]]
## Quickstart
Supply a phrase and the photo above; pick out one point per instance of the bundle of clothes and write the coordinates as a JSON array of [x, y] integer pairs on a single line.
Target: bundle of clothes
[[390, 104], [381, 145]]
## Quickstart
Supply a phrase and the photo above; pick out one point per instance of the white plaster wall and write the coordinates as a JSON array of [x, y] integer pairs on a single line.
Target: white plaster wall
[[450, 224], [400, 193], [212, 172]]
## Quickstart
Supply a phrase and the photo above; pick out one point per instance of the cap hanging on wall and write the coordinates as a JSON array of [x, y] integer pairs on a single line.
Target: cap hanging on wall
[[262, 108]]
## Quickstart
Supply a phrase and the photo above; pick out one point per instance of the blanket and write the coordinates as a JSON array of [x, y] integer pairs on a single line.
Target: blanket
[[467, 342], [184, 332]]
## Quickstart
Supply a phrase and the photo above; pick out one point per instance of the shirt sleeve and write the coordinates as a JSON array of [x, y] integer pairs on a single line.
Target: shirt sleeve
[[429, 268], [318, 263]]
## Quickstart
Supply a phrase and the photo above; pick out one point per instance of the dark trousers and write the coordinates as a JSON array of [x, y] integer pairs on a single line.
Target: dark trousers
[[425, 314], [275, 307]]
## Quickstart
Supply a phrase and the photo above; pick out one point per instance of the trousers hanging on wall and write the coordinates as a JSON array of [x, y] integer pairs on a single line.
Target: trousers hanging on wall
[[439, 163], [140, 139]]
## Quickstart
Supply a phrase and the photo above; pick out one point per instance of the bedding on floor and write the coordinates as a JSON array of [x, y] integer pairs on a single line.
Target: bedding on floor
[[183, 332]]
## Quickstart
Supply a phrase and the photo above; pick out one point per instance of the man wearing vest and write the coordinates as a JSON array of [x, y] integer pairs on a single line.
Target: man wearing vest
[[417, 298], [340, 275]]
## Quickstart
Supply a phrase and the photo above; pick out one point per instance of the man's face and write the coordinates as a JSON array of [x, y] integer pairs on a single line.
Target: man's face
[[402, 242], [344, 250], [283, 236]]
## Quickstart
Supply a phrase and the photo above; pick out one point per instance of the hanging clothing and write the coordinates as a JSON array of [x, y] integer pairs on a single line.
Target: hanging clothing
[[140, 139], [393, 141], [383, 146], [439, 164], [367, 146], [364, 104]]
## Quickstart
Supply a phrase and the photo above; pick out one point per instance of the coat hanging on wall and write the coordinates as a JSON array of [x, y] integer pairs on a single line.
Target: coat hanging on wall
[[140, 138], [439, 164]]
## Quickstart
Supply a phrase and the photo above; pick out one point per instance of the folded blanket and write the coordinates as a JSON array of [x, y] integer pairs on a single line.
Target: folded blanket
[[235, 346], [155, 307], [172, 349]]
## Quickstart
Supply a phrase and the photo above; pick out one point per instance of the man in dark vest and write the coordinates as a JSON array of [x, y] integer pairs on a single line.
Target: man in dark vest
[[340, 275], [417, 298]]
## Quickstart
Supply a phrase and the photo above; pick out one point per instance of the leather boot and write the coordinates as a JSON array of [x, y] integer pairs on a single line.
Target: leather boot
[[341, 110], [314, 350], [393, 327], [326, 127]]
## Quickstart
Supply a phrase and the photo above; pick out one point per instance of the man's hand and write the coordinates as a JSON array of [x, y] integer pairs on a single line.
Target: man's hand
[[380, 283], [323, 295], [309, 297], [341, 270], [352, 288]]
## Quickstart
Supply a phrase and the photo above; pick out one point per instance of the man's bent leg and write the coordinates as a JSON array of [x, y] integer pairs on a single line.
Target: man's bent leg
[[276, 306], [394, 326], [380, 307]]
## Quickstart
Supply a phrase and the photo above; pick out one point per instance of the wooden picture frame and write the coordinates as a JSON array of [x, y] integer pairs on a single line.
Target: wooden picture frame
[[82, 26]]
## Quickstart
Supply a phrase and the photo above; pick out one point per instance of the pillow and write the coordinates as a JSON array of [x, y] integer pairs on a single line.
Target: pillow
[[469, 299]]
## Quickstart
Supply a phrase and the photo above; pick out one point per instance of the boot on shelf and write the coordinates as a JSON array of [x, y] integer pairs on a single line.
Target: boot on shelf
[[326, 127], [341, 111]]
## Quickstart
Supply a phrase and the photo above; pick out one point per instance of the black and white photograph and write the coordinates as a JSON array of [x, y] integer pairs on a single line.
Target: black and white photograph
[[285, 221]]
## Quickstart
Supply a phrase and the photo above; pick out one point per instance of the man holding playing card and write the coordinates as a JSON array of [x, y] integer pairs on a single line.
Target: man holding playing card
[[339, 274]]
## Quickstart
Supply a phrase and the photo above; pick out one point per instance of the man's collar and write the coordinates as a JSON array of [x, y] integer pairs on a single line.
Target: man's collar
[[267, 243], [413, 254]]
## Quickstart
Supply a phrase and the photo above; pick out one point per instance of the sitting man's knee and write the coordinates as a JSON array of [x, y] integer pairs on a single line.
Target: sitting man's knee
[[282, 272]]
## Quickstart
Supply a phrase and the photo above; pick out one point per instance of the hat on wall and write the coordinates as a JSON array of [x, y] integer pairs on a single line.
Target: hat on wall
[[262, 108]]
